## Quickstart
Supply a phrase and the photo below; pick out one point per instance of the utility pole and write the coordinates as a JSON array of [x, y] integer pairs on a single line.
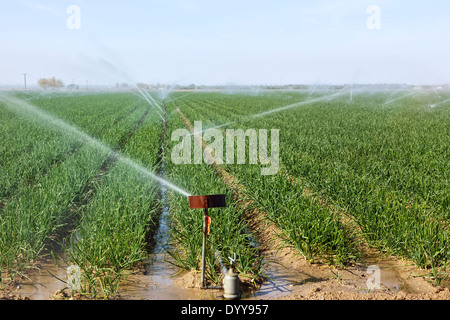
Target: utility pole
[[25, 80]]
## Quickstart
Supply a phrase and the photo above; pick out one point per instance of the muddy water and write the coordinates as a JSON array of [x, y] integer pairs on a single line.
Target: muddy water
[[43, 283], [282, 282], [159, 282], [389, 274]]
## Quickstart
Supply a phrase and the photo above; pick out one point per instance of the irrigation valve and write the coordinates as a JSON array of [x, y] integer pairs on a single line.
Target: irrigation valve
[[231, 282], [231, 285], [206, 202]]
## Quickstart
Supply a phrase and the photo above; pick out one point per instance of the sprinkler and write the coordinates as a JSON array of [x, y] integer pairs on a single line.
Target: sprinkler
[[206, 202]]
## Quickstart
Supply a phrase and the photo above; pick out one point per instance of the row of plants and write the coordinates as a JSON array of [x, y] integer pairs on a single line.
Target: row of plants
[[386, 167], [229, 235], [44, 202], [313, 229]]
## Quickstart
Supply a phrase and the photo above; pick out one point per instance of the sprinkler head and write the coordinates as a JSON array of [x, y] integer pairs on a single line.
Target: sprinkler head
[[204, 202]]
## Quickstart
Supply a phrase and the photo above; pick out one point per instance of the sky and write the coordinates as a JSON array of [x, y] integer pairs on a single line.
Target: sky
[[99, 42]]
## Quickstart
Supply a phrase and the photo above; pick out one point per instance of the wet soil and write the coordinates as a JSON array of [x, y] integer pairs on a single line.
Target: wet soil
[[290, 277]]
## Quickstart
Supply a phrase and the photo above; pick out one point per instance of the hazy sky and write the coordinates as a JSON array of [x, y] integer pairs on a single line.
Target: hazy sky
[[222, 42]]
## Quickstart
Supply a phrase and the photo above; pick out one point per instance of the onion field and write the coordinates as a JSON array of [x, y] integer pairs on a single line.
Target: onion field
[[85, 177]]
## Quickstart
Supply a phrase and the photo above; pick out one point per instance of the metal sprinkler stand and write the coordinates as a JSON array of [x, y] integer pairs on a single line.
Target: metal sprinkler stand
[[205, 202]]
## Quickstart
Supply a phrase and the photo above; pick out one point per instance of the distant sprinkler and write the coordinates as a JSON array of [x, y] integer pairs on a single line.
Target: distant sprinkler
[[25, 80]]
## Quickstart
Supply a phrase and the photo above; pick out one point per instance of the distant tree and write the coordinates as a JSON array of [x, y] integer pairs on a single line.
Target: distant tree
[[50, 83], [43, 83]]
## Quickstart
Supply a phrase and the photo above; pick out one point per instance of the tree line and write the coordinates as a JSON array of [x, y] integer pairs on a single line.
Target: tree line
[[52, 83]]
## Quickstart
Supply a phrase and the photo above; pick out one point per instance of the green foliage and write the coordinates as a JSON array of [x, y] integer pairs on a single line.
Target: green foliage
[[52, 172], [229, 232], [384, 164]]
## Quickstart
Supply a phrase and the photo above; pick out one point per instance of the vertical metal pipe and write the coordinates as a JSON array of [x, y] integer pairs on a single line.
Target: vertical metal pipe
[[205, 202], [25, 80], [205, 211]]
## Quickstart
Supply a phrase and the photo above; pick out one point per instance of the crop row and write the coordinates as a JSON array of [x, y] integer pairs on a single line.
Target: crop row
[[311, 228], [117, 224], [229, 235], [43, 203]]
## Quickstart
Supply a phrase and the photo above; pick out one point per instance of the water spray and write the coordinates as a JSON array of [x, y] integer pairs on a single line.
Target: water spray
[[151, 101], [27, 109], [434, 105], [401, 97], [290, 106]]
